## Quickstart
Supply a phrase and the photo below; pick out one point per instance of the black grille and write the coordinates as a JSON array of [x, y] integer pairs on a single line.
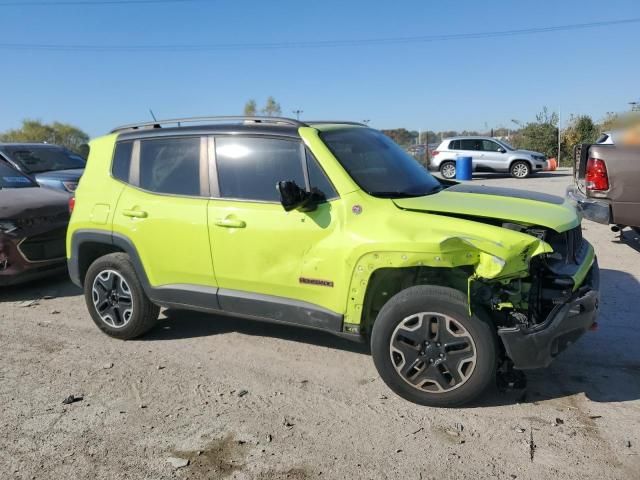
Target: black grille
[[569, 245], [575, 244], [46, 246]]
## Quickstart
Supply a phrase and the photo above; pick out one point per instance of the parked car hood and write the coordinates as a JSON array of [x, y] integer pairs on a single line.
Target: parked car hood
[[34, 210], [520, 206], [62, 175], [529, 152]]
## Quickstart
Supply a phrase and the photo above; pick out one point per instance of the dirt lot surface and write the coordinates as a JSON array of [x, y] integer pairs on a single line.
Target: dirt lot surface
[[245, 400]]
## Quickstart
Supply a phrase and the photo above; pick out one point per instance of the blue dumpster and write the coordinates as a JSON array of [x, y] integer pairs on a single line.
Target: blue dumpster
[[464, 168]]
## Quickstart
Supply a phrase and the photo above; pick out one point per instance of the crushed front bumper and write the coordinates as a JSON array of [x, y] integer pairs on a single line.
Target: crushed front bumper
[[537, 346], [591, 208]]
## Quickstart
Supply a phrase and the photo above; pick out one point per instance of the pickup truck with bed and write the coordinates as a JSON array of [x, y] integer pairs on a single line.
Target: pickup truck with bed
[[607, 184]]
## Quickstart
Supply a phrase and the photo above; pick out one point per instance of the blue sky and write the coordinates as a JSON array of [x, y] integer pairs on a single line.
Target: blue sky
[[459, 84]]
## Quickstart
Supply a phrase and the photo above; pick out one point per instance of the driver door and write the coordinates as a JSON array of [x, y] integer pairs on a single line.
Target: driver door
[[492, 158], [259, 250]]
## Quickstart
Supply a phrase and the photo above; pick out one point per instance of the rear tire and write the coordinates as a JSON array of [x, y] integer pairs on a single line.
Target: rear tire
[[448, 170], [428, 350], [116, 300], [520, 169]]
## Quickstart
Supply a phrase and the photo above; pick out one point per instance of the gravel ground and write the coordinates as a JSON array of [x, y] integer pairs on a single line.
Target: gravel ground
[[245, 400]]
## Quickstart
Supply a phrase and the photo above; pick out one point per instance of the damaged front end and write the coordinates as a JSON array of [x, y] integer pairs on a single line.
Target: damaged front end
[[547, 307]]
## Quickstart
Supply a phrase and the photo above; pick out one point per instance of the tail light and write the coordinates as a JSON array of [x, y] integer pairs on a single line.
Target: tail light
[[596, 177], [72, 204], [434, 153]]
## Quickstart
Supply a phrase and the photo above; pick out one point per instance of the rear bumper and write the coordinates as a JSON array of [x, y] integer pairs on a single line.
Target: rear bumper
[[538, 346], [592, 209]]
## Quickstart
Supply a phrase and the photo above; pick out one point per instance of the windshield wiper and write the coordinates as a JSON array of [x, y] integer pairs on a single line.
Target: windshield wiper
[[395, 194]]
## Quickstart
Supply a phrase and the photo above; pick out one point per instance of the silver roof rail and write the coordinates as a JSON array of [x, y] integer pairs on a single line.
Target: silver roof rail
[[179, 121], [334, 122]]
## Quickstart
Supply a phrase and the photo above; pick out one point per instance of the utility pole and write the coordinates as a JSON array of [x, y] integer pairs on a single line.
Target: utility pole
[[366, 122], [297, 112], [559, 137]]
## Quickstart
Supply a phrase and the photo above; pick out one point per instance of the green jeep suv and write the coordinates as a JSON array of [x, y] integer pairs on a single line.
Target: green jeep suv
[[331, 226]]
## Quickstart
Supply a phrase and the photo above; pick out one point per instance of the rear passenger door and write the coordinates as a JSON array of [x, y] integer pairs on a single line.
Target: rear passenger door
[[469, 148], [162, 210]]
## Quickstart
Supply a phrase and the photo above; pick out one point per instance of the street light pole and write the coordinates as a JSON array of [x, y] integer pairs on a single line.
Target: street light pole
[[297, 112]]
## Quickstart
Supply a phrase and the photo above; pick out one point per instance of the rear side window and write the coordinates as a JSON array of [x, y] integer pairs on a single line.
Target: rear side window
[[249, 168], [470, 144], [170, 165], [122, 161], [454, 145]]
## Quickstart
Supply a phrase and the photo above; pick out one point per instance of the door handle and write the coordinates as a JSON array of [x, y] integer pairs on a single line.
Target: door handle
[[231, 223], [134, 213]]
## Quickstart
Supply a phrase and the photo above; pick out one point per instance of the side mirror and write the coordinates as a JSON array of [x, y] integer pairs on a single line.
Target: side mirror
[[293, 197], [502, 150]]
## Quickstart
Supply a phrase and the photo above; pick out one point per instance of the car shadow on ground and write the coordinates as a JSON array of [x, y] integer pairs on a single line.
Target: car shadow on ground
[[604, 365], [631, 238], [177, 324], [58, 286]]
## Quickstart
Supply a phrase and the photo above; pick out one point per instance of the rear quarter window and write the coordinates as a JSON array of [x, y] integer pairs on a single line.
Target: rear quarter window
[[121, 165]]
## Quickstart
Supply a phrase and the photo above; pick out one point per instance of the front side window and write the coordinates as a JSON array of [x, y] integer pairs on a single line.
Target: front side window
[[378, 165], [489, 146], [171, 165], [249, 168], [44, 158], [318, 180]]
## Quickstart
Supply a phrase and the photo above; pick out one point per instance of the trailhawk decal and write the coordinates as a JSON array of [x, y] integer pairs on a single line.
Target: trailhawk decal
[[316, 281]]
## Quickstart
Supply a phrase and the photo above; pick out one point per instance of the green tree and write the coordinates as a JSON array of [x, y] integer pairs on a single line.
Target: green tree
[[250, 108], [272, 108], [401, 136], [581, 129], [541, 135], [57, 133]]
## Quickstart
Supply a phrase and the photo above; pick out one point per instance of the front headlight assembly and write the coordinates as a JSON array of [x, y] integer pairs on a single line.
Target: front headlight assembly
[[7, 226], [70, 186]]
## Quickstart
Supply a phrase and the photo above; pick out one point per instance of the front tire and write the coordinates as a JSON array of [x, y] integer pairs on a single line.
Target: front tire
[[448, 170], [116, 300], [428, 349], [520, 169]]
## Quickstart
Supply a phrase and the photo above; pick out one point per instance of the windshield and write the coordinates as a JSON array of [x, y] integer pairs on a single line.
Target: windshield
[[505, 144], [44, 158], [378, 165], [10, 178]]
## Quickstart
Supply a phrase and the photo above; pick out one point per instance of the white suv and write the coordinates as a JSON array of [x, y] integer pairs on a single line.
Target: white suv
[[488, 155]]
